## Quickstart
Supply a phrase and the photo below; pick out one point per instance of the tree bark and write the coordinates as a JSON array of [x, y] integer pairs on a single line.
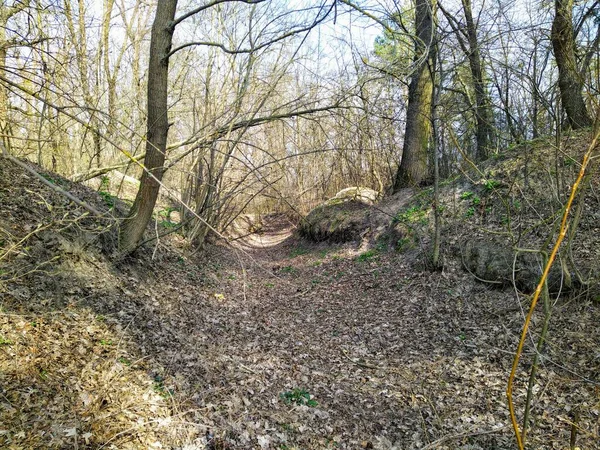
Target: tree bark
[[161, 40], [482, 110], [469, 44], [4, 16], [414, 168], [570, 81]]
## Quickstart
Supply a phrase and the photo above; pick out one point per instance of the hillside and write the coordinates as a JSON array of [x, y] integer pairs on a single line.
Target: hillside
[[278, 342]]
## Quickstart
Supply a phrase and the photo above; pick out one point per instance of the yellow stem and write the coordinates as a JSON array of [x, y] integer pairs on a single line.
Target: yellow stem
[[561, 235]]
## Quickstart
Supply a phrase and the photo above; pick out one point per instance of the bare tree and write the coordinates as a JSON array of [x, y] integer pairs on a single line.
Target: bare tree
[[161, 40], [570, 79], [7, 11], [469, 43]]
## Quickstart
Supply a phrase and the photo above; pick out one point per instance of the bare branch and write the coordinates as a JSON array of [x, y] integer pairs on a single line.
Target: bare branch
[[231, 51], [189, 14]]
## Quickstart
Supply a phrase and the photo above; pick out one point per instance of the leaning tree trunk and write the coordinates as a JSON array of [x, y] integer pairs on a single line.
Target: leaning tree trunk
[[140, 213], [413, 168], [570, 81]]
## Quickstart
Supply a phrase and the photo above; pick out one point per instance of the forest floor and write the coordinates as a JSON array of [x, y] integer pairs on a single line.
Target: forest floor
[[276, 343]]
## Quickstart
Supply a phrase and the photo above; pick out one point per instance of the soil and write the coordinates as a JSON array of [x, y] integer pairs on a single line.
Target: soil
[[274, 343]]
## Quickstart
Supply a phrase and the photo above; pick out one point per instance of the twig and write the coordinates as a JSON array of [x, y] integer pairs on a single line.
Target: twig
[[451, 437], [540, 286], [589, 434]]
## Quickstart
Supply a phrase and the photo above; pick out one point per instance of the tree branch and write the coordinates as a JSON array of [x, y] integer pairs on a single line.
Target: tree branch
[[188, 14], [224, 130], [230, 51]]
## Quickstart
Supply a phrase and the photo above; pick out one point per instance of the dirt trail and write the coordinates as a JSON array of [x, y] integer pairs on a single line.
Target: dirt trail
[[377, 346], [270, 241], [393, 357]]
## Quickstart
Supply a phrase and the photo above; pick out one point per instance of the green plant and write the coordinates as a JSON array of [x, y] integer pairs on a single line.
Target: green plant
[[109, 199], [299, 251], [103, 191], [124, 361], [166, 213], [366, 256], [52, 180], [474, 200], [160, 388], [167, 224], [105, 342], [298, 397], [413, 214], [4, 341], [269, 285], [104, 183], [490, 185], [402, 244], [288, 269]]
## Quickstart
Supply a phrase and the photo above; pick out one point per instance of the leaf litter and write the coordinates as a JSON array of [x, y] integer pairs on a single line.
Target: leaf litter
[[202, 352]]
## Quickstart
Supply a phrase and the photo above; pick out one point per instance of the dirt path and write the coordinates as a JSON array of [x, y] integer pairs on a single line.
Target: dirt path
[[389, 357]]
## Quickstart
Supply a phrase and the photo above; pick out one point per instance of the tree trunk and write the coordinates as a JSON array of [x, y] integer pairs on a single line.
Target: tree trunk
[[140, 214], [482, 110], [78, 33], [413, 168], [570, 81], [3, 91]]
